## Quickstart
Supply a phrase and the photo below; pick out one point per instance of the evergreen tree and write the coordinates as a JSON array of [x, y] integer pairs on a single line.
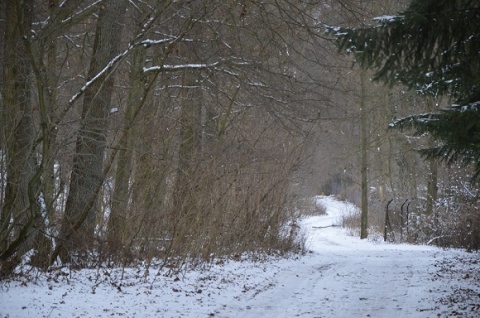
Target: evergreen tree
[[434, 48]]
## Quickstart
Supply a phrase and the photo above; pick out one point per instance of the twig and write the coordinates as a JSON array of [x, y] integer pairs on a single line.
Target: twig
[[324, 227]]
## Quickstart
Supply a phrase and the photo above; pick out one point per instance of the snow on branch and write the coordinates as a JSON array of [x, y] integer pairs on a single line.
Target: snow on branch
[[475, 106], [82, 11], [149, 42], [194, 66], [179, 67], [137, 42], [388, 18], [413, 119], [107, 68], [336, 31], [430, 117], [114, 61]]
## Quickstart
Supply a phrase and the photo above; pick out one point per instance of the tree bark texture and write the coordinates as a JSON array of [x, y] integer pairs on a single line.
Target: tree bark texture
[[363, 160], [87, 178], [118, 219], [20, 210]]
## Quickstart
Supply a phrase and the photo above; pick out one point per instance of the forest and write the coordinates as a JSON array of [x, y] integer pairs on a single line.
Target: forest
[[191, 130]]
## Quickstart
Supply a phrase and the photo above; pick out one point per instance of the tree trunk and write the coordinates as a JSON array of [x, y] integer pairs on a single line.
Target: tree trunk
[[363, 160], [190, 142], [86, 177], [48, 111], [51, 99], [117, 223], [432, 177], [432, 186], [3, 24], [186, 184], [20, 211]]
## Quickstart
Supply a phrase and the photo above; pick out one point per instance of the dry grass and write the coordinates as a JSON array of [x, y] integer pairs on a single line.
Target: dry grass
[[310, 206], [351, 221], [220, 211]]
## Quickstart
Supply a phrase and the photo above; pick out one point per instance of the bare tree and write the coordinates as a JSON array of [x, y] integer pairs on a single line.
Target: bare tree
[[87, 171], [20, 202]]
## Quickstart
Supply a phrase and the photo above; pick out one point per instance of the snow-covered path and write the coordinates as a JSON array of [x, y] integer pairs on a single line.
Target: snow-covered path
[[341, 277], [372, 285], [346, 277]]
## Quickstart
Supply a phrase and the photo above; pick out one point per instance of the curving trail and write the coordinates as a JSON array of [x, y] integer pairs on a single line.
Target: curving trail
[[346, 277]]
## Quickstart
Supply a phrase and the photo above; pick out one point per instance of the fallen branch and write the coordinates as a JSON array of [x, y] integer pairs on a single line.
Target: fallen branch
[[436, 238], [324, 227]]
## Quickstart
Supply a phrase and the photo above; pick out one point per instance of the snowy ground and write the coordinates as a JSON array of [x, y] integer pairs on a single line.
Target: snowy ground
[[342, 276]]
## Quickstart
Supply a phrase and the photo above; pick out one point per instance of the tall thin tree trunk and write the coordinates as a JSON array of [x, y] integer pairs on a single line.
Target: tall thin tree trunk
[[190, 132], [184, 192], [363, 160], [47, 109], [3, 24], [432, 186], [117, 223], [432, 177], [51, 99], [86, 178]]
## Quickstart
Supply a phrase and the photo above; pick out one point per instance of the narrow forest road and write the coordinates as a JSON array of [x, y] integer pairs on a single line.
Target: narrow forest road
[[347, 277]]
